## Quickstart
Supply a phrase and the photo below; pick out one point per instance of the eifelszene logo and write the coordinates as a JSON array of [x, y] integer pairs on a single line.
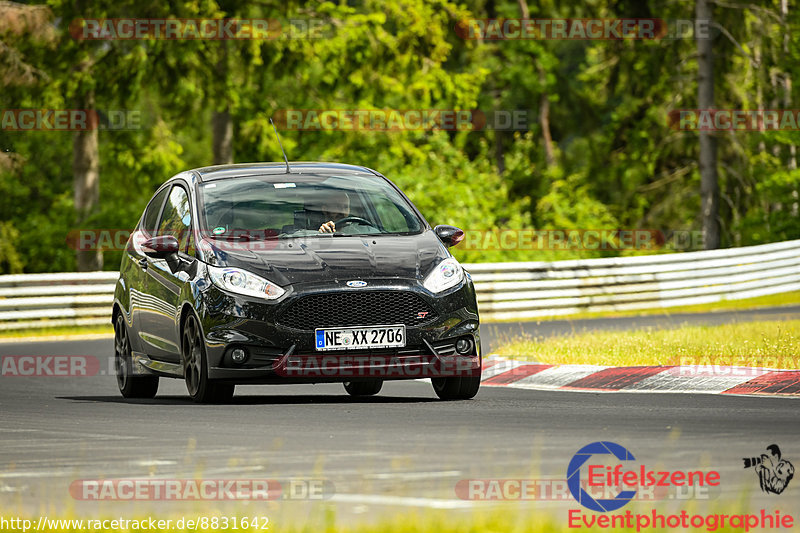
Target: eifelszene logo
[[574, 476], [613, 479], [774, 473]]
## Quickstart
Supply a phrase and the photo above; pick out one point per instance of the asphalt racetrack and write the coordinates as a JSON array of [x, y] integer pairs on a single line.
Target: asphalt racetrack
[[403, 451]]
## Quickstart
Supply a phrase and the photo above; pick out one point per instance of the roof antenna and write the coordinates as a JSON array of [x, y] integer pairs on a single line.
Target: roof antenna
[[288, 170]]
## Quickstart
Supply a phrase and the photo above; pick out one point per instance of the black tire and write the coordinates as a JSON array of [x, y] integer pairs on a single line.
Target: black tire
[[457, 388], [363, 388], [130, 385], [195, 368]]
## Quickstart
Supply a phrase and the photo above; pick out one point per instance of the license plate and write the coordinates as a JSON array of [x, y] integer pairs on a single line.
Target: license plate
[[360, 338]]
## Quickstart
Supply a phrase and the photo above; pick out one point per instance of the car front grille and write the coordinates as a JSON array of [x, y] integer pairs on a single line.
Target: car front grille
[[356, 308]]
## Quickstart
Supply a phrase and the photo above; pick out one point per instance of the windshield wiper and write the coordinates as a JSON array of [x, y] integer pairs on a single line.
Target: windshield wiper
[[237, 237], [337, 234]]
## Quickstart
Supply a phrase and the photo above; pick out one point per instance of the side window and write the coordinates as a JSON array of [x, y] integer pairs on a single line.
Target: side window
[[151, 215], [177, 217]]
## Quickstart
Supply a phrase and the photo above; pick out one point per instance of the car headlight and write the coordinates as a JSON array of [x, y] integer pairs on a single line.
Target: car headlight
[[445, 275], [244, 282]]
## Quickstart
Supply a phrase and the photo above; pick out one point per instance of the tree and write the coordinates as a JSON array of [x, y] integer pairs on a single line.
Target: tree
[[18, 21], [597, 151], [709, 188]]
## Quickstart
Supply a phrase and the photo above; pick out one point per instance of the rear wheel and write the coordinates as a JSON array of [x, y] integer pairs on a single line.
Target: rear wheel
[[195, 368], [363, 388], [456, 388], [130, 385]]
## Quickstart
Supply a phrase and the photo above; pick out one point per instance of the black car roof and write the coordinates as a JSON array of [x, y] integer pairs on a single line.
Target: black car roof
[[259, 169]]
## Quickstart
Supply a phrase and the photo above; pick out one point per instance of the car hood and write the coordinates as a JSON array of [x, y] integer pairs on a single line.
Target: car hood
[[315, 259]]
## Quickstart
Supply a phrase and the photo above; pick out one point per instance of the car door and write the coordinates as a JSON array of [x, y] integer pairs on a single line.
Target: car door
[[136, 270], [164, 286]]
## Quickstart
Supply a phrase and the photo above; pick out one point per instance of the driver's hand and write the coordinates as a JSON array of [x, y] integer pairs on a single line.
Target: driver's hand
[[328, 227]]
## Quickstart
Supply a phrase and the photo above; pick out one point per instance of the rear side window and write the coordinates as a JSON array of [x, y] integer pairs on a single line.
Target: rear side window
[[151, 215], [176, 219]]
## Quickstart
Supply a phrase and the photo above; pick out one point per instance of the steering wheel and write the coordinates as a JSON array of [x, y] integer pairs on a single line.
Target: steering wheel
[[354, 220]]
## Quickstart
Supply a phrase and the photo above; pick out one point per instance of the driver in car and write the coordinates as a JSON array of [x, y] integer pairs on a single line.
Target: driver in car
[[335, 207]]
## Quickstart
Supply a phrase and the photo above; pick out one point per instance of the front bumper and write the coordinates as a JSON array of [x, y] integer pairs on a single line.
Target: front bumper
[[280, 354]]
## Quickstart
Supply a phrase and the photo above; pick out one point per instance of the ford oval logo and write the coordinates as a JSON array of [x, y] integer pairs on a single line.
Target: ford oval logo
[[356, 283]]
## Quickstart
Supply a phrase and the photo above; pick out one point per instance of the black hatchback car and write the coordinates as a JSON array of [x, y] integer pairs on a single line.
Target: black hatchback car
[[292, 273]]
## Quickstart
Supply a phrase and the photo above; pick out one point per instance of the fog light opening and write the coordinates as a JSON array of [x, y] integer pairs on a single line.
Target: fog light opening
[[464, 346], [238, 356]]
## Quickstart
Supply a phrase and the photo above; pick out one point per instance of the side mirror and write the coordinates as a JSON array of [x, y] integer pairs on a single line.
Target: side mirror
[[449, 235], [161, 247]]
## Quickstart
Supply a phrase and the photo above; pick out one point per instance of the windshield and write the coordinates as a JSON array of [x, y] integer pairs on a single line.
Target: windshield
[[288, 206]]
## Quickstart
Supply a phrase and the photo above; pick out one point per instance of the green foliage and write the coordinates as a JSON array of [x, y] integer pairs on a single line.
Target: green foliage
[[617, 162], [10, 260]]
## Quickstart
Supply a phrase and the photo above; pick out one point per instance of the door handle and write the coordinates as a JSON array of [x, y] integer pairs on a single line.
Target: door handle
[[143, 263]]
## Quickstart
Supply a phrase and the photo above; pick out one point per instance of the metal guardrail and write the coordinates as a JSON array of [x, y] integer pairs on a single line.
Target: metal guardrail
[[506, 291], [538, 289], [52, 300]]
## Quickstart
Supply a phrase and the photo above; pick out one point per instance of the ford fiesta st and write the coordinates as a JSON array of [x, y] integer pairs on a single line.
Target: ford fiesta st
[[296, 273]]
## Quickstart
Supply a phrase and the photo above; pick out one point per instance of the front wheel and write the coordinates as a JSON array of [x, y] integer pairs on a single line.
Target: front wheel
[[130, 385], [195, 368], [363, 388]]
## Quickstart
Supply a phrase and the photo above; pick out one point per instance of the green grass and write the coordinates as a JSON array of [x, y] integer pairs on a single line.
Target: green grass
[[532, 517], [771, 344], [58, 332], [772, 300], [324, 520]]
